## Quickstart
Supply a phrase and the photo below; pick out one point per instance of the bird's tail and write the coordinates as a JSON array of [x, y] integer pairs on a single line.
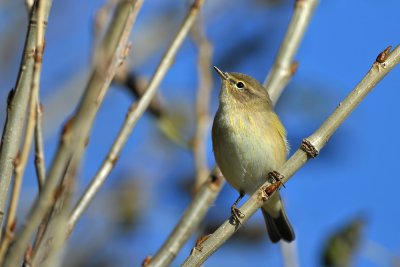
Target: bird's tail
[[278, 225]]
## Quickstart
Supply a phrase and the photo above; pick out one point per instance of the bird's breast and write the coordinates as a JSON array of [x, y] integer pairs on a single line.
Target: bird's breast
[[247, 146]]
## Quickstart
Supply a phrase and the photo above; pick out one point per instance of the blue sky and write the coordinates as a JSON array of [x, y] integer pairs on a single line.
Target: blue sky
[[355, 174]]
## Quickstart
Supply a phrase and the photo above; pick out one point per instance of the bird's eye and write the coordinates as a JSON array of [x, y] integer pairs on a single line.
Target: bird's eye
[[240, 85]]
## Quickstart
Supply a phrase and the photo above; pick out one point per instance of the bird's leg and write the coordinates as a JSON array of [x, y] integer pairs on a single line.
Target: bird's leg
[[235, 212]]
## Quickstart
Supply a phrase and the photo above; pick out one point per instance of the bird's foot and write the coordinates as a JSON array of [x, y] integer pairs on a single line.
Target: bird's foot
[[235, 211]]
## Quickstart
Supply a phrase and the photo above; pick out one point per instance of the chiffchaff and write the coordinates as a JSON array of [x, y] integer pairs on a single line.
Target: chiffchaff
[[249, 141]]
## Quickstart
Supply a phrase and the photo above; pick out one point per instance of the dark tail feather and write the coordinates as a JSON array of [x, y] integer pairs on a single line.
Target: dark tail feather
[[278, 228]]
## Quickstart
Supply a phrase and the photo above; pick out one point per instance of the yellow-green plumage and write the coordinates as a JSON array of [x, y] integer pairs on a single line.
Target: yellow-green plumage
[[249, 141]]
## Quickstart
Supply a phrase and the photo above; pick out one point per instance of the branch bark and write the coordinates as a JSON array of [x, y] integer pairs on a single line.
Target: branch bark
[[204, 68], [20, 163], [284, 67], [75, 134], [190, 220], [136, 110], [309, 149], [17, 106]]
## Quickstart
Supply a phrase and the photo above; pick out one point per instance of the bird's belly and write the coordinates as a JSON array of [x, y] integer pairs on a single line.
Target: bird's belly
[[245, 158]]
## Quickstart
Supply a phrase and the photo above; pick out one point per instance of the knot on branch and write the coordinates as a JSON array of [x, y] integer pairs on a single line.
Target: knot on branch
[[146, 261], [267, 191], [198, 246], [381, 58], [293, 67], [276, 177], [215, 180], [309, 148]]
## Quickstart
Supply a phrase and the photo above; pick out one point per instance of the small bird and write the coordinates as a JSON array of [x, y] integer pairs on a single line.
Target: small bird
[[249, 142]]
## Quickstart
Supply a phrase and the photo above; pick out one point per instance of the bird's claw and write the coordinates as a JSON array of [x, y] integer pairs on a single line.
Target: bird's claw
[[236, 215]]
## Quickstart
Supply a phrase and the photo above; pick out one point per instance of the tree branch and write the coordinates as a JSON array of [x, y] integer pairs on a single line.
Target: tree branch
[[21, 161], [39, 150], [136, 110], [309, 149], [18, 101], [190, 220], [284, 67], [204, 67], [76, 131]]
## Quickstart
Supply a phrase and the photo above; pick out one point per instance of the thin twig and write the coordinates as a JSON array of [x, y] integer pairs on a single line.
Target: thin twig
[[190, 220], [203, 103], [20, 164], [18, 102], [76, 131], [206, 190], [135, 112], [309, 149], [284, 67], [39, 150], [136, 85]]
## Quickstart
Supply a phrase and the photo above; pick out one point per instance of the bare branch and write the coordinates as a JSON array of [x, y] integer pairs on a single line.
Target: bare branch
[[20, 164], [75, 134], [18, 102], [39, 150], [309, 149], [135, 112], [284, 67], [203, 103], [45, 250], [190, 220]]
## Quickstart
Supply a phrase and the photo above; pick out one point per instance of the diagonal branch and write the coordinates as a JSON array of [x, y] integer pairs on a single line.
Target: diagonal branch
[[309, 149], [190, 220], [284, 67], [207, 186], [135, 111], [76, 131]]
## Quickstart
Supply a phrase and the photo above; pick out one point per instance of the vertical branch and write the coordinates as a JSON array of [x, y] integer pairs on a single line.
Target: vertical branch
[[203, 103], [136, 110], [284, 67], [76, 131], [18, 102], [310, 148], [39, 150], [20, 164]]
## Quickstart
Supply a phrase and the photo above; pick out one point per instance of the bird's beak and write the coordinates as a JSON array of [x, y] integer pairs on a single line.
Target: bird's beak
[[223, 75]]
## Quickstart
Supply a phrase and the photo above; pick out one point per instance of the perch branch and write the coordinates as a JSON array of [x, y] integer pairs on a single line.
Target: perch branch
[[309, 149]]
